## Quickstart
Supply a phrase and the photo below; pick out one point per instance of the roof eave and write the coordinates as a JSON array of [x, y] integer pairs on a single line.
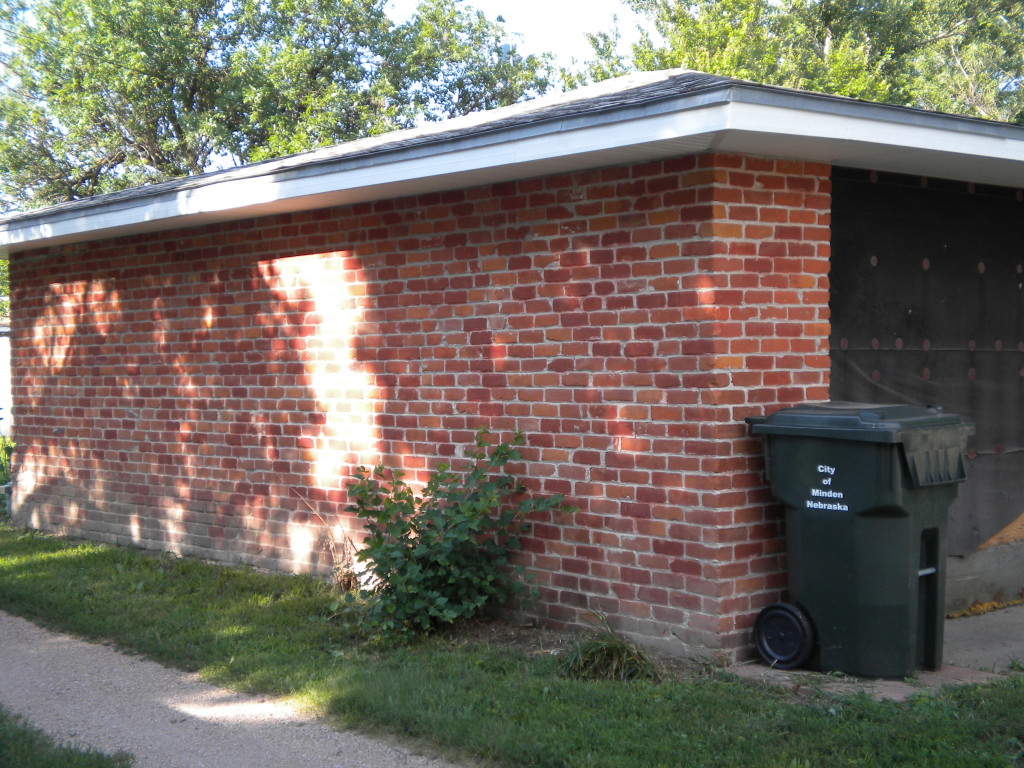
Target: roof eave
[[737, 117]]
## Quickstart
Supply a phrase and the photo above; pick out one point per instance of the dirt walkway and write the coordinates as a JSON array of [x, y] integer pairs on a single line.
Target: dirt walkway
[[89, 694]]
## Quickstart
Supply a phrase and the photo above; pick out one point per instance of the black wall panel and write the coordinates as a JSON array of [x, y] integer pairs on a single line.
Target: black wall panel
[[927, 305]]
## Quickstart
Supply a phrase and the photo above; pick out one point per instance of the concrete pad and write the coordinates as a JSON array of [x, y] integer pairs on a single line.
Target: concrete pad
[[977, 649], [804, 682], [993, 641]]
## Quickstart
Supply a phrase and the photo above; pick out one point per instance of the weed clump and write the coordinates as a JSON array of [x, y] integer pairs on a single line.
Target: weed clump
[[604, 655]]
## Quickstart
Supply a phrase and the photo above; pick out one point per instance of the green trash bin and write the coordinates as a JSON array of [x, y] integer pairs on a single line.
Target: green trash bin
[[866, 490]]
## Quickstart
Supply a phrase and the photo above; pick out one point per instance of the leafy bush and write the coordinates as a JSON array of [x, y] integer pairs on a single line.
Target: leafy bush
[[603, 655], [444, 555], [6, 451]]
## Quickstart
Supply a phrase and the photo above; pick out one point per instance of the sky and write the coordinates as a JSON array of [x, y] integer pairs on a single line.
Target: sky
[[558, 26]]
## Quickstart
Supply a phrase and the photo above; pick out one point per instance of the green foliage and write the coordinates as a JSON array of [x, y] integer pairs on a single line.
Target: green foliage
[[958, 56], [349, 610], [443, 555], [99, 96], [5, 290], [459, 62], [6, 455], [604, 655], [715, 36], [26, 747]]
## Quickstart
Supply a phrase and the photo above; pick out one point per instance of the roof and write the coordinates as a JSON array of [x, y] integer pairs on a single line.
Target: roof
[[638, 117]]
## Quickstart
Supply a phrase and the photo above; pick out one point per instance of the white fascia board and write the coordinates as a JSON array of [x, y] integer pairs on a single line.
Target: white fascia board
[[389, 175], [580, 143], [876, 139], [796, 126]]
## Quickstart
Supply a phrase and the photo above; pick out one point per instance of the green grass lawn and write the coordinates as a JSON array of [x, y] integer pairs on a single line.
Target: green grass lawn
[[262, 632], [22, 746]]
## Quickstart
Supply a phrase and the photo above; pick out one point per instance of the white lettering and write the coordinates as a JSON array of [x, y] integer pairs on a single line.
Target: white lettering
[[825, 469], [828, 493], [823, 505]]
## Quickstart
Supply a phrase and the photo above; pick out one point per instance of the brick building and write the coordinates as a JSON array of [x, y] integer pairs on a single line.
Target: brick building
[[623, 273]]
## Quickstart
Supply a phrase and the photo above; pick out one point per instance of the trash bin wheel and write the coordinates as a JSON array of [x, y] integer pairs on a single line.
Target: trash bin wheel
[[783, 636]]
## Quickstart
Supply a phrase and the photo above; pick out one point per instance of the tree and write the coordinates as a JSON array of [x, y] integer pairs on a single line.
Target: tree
[[99, 95], [974, 63], [960, 56]]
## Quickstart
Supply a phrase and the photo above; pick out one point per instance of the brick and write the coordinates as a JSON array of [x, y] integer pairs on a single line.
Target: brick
[[625, 319]]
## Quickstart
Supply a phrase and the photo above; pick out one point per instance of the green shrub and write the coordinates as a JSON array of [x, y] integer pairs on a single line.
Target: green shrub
[[6, 452], [443, 555]]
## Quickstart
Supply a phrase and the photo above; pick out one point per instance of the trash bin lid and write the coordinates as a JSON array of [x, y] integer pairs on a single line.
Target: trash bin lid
[[842, 420]]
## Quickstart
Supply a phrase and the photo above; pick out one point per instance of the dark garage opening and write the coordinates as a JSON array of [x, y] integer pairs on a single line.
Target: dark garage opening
[[927, 307]]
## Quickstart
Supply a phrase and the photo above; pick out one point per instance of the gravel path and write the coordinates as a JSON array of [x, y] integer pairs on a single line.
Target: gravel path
[[88, 694]]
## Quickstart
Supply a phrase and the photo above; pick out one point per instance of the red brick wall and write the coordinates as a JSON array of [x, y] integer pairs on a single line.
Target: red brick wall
[[183, 390]]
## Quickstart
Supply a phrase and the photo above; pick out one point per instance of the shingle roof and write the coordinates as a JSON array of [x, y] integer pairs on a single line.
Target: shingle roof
[[639, 116], [608, 95]]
